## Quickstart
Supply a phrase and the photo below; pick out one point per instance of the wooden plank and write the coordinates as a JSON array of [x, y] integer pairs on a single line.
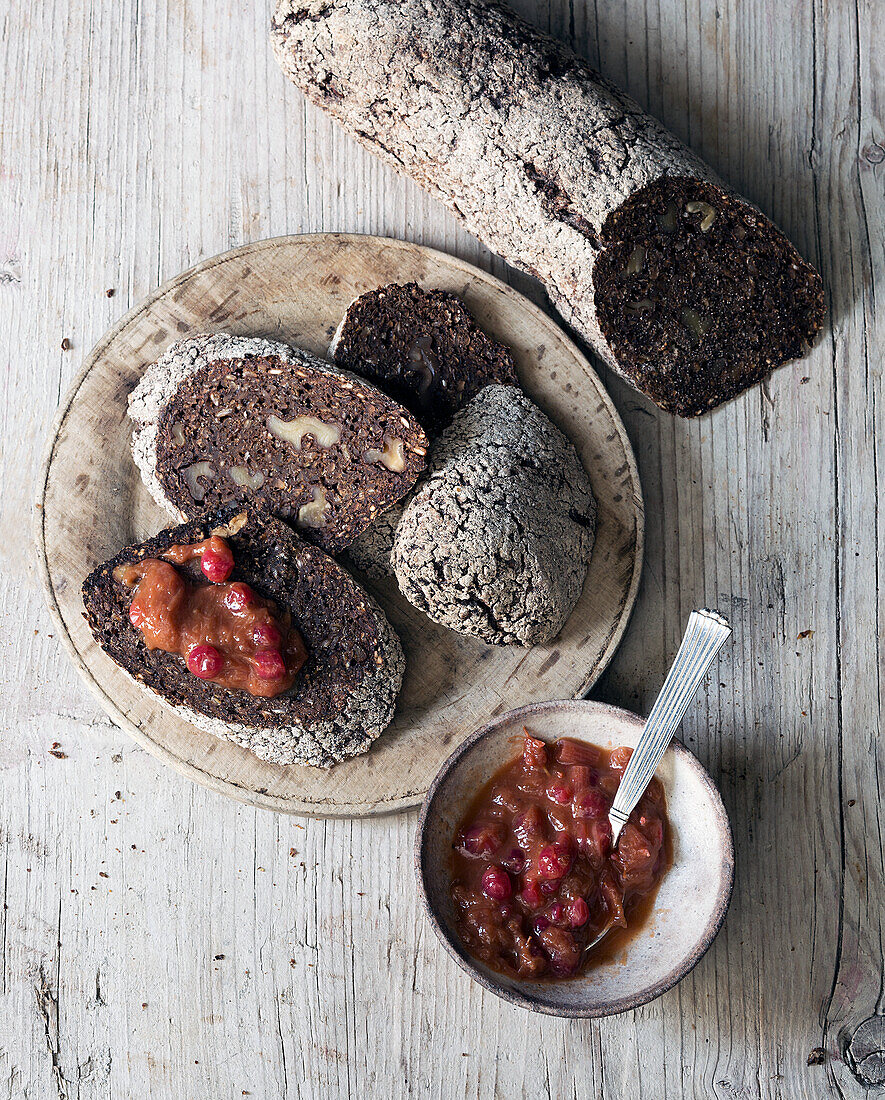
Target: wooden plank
[[136, 139]]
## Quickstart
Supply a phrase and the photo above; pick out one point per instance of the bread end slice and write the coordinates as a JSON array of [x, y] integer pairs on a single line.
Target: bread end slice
[[159, 383]]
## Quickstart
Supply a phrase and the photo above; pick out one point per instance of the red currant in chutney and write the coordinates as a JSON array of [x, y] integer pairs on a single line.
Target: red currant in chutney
[[204, 661], [238, 597], [217, 561], [266, 636], [496, 884], [269, 664]]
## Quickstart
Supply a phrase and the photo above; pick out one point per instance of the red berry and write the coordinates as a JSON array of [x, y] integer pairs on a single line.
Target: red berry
[[238, 596], [531, 895], [217, 562], [550, 886], [555, 912], [496, 884], [136, 615], [591, 803], [269, 664], [204, 661], [555, 860], [578, 913], [266, 636], [539, 924], [558, 792]]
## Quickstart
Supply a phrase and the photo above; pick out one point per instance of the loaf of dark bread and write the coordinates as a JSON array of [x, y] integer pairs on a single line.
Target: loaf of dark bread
[[422, 347], [342, 698], [687, 291], [223, 419]]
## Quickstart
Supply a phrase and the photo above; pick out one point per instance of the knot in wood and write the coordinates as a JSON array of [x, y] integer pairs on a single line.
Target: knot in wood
[[865, 1053]]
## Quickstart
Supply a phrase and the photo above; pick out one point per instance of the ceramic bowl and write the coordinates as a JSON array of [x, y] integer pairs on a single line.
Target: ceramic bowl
[[693, 896]]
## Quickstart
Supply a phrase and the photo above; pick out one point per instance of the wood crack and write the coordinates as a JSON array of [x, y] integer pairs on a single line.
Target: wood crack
[[47, 1007]]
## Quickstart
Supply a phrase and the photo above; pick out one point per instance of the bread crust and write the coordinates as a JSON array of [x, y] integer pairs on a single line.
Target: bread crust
[[497, 540]]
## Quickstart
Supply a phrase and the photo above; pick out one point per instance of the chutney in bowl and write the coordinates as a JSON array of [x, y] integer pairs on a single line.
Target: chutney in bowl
[[536, 879], [694, 866]]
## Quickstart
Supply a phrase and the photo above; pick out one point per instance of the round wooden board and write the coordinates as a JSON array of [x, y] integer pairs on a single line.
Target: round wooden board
[[92, 502]]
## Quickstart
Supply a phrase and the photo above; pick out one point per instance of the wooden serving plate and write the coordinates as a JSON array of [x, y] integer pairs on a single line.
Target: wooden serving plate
[[91, 503]]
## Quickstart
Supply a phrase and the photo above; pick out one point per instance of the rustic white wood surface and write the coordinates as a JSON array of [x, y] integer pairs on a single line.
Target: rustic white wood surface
[[159, 940]]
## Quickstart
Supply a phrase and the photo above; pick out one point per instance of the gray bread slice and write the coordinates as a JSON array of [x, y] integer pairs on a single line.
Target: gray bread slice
[[423, 347], [497, 540], [345, 694], [687, 291], [223, 419]]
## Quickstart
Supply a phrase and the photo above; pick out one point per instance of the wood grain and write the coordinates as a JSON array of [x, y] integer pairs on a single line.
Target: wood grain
[[137, 139], [297, 288]]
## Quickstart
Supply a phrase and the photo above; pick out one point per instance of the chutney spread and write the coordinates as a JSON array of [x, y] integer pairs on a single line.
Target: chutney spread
[[534, 876], [224, 631]]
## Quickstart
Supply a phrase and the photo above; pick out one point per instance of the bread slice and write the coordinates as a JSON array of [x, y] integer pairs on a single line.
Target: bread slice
[[342, 698], [422, 347], [222, 419]]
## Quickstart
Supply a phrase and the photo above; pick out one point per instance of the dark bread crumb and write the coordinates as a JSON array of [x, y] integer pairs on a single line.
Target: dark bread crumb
[[699, 296], [422, 347]]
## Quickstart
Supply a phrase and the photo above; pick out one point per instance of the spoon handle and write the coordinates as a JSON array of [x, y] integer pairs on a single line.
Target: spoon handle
[[704, 636]]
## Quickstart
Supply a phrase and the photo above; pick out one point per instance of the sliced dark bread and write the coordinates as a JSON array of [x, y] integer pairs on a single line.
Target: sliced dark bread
[[223, 419], [343, 697], [422, 347]]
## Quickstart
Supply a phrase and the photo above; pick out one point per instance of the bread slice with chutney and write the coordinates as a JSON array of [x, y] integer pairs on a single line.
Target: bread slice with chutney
[[327, 709]]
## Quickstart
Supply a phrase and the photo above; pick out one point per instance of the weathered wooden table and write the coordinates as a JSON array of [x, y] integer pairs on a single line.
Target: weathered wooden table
[[160, 941]]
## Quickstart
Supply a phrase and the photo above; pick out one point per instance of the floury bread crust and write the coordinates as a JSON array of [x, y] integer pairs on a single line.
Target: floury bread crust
[[497, 540], [342, 699], [555, 169], [369, 553], [222, 419]]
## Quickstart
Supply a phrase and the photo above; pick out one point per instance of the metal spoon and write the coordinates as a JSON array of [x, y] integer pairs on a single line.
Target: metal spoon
[[706, 633]]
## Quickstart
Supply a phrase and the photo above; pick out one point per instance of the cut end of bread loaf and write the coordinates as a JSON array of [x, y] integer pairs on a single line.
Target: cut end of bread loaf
[[342, 699], [699, 296]]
